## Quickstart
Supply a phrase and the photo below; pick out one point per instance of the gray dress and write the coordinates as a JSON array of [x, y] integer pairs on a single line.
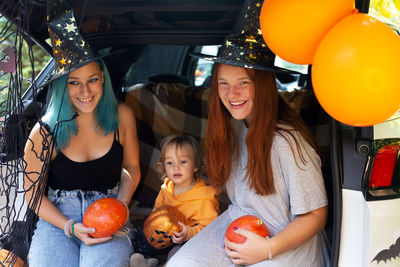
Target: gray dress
[[299, 189]]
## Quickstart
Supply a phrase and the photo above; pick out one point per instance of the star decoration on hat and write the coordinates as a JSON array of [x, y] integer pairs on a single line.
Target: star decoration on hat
[[70, 50], [250, 39], [228, 43], [70, 27]]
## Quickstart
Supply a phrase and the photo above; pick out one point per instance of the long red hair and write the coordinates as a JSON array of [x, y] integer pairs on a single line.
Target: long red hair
[[268, 109]]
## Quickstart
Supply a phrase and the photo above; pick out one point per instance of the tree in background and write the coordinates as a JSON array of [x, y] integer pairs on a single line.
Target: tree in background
[[41, 57]]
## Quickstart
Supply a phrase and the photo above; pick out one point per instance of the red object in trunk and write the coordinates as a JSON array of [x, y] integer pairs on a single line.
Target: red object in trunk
[[382, 169]]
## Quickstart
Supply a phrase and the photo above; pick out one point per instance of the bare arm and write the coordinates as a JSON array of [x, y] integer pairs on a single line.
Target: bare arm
[[131, 171], [300, 230], [36, 151]]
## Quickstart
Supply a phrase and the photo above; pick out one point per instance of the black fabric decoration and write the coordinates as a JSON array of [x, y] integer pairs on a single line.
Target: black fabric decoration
[[17, 219]]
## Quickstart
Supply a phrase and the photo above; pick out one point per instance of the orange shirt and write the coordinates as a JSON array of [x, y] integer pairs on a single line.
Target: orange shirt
[[199, 204]]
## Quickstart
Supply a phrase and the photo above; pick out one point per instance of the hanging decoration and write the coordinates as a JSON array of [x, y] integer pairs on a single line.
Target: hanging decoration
[[355, 71], [293, 29], [355, 57]]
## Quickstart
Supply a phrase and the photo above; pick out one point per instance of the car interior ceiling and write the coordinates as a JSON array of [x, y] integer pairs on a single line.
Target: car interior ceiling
[[128, 22]]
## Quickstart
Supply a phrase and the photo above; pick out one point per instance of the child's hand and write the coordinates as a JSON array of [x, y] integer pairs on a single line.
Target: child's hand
[[180, 237], [253, 250]]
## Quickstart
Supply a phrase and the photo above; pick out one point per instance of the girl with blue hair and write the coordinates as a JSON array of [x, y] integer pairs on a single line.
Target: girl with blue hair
[[106, 112], [95, 156]]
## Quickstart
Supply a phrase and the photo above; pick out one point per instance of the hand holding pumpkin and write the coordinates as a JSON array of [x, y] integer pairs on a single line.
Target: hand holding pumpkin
[[83, 233], [253, 250], [248, 222], [245, 241], [180, 237], [106, 216], [160, 226]]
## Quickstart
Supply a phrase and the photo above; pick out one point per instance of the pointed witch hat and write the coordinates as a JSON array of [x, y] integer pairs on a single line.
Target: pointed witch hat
[[70, 50], [247, 48]]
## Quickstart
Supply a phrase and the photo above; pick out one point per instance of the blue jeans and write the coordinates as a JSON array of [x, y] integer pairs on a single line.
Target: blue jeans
[[51, 247]]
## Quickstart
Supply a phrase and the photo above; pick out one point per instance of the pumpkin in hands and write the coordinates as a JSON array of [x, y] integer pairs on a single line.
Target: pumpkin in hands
[[106, 216], [160, 225], [248, 222]]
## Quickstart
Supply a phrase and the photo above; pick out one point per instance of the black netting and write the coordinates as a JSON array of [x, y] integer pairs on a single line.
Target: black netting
[[16, 220], [22, 185]]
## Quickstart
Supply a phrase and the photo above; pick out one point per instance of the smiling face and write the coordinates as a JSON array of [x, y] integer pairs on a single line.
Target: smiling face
[[85, 87], [180, 165], [236, 91]]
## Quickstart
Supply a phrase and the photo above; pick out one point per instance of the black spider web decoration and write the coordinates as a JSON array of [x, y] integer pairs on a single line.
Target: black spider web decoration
[[16, 220], [20, 188]]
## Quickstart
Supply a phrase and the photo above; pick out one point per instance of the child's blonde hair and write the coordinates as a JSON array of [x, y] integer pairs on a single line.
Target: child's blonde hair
[[180, 141]]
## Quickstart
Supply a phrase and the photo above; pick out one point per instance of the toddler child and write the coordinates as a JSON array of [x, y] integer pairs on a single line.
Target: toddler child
[[180, 165]]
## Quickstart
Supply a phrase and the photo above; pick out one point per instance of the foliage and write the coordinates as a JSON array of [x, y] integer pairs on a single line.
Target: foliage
[[379, 143], [387, 11], [8, 38]]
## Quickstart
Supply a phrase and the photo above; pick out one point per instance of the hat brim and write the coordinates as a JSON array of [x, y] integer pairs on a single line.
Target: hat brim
[[237, 63], [69, 70]]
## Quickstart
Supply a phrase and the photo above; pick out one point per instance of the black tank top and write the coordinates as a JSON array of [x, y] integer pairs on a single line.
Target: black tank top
[[95, 175]]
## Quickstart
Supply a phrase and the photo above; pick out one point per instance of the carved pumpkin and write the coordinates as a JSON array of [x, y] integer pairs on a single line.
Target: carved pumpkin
[[248, 222], [106, 215], [8, 258], [160, 225]]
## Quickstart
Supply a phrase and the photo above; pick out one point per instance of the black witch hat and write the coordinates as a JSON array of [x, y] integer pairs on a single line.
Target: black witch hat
[[246, 48], [70, 50]]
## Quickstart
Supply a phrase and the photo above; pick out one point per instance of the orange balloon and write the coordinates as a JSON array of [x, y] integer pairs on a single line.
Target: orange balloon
[[293, 29], [355, 74]]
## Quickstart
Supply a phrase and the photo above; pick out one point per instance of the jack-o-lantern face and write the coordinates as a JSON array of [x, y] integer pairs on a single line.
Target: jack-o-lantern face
[[160, 225]]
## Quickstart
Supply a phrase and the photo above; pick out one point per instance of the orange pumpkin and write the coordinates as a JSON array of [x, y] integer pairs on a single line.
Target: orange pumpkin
[[160, 225], [8, 258], [248, 222], [106, 215]]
